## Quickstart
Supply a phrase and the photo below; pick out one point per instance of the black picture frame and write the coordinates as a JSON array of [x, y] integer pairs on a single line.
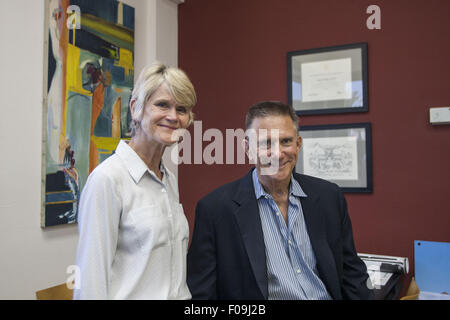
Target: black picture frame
[[328, 80], [340, 153]]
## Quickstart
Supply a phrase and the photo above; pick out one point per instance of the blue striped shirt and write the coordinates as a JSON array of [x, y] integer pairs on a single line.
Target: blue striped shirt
[[291, 263]]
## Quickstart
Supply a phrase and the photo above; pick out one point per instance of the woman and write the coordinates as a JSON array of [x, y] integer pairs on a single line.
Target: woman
[[133, 232]]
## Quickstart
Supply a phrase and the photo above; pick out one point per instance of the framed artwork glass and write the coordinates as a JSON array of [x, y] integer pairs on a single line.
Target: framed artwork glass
[[340, 153], [328, 80]]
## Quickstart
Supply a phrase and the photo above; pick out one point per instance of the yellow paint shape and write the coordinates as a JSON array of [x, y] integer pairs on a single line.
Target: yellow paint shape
[[105, 143], [106, 28], [116, 118], [58, 192], [120, 13], [125, 60], [60, 202], [74, 77]]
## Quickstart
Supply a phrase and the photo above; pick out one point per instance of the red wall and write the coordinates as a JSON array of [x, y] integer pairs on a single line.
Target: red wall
[[235, 53]]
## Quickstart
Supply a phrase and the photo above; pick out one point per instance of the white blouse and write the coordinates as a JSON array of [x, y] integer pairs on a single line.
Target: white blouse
[[133, 234]]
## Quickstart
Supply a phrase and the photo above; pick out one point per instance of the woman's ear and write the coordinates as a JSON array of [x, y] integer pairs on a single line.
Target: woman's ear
[[132, 106], [191, 118]]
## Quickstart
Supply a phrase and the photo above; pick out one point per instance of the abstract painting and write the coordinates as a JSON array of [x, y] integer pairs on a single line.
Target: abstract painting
[[88, 79]]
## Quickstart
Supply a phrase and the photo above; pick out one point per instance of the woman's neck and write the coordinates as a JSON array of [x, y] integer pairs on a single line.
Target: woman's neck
[[150, 152]]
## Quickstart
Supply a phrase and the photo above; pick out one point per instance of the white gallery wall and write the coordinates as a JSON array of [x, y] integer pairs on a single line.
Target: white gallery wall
[[33, 258]]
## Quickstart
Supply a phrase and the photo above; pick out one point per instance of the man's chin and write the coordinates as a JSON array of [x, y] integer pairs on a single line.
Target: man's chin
[[275, 173]]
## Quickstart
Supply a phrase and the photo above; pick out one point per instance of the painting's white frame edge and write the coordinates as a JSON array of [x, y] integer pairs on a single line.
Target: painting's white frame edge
[[44, 111]]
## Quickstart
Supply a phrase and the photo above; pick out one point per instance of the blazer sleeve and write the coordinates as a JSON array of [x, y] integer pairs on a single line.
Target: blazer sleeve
[[201, 258], [355, 277]]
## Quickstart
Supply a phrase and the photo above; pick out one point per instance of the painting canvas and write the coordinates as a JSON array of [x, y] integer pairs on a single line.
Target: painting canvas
[[88, 79]]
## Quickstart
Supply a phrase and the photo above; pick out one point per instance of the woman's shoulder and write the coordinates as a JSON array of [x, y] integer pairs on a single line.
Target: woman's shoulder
[[111, 169]]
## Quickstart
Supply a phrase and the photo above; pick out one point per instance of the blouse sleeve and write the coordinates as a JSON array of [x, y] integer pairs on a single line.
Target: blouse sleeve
[[98, 226]]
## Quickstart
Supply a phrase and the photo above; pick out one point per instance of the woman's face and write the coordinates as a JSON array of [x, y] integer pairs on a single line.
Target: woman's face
[[163, 118]]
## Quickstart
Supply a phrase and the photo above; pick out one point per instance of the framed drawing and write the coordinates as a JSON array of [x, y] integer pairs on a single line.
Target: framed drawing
[[340, 153], [328, 80], [88, 78]]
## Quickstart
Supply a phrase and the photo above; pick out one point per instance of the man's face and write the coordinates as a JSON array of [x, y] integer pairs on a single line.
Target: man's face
[[274, 144]]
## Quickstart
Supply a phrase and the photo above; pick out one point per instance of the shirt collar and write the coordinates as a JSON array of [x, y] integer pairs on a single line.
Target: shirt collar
[[259, 190], [294, 188], [134, 164]]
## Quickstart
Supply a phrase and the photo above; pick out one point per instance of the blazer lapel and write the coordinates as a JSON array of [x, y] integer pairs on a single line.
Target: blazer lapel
[[316, 226], [249, 221]]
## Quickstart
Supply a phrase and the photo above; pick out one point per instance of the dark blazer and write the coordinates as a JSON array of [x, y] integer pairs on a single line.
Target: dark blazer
[[227, 258]]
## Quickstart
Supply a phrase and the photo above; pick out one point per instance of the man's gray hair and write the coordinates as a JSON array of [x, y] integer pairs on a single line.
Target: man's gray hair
[[270, 108]]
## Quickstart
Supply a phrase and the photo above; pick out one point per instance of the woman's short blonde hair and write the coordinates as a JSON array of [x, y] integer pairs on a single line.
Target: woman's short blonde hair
[[149, 81]]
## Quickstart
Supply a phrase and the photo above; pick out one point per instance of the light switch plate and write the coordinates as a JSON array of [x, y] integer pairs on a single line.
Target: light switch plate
[[440, 115]]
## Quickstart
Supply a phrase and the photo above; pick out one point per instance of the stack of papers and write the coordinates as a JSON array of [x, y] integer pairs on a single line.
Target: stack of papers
[[381, 268], [377, 277]]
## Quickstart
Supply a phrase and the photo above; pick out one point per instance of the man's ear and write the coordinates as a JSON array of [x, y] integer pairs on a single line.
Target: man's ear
[[249, 151], [245, 145], [299, 142]]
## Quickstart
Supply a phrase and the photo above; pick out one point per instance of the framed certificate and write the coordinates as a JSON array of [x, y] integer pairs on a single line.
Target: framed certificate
[[339, 153], [328, 80]]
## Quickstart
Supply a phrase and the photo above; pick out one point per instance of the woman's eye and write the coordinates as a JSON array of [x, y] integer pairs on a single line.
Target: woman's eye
[[161, 104], [182, 110]]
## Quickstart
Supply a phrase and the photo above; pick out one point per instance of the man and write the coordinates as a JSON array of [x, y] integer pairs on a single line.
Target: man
[[274, 234]]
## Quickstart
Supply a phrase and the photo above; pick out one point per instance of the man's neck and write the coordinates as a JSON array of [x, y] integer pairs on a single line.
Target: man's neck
[[279, 190], [275, 188]]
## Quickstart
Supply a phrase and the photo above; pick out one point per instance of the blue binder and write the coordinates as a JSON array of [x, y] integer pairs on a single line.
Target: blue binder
[[432, 266]]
